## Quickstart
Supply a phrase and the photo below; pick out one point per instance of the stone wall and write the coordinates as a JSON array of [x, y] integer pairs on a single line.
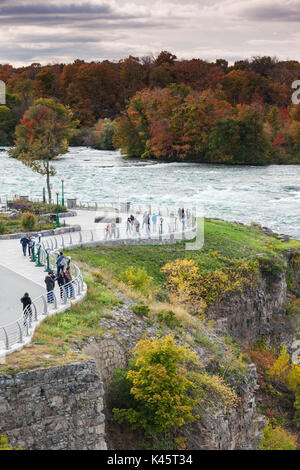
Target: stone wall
[[55, 408], [108, 354]]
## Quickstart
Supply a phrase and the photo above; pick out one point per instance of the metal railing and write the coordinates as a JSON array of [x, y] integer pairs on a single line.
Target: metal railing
[[165, 230], [16, 334]]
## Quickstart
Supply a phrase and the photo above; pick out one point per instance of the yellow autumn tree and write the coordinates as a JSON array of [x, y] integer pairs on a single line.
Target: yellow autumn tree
[[289, 374], [166, 391]]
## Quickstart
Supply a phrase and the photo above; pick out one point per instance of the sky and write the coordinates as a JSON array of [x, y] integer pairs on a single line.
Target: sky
[[65, 30]]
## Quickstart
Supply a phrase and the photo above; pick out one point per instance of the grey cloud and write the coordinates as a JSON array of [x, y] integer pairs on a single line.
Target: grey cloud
[[271, 12]]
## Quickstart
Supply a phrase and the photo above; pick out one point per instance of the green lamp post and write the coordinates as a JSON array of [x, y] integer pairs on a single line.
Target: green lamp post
[[62, 192], [32, 251], [48, 269], [57, 216]]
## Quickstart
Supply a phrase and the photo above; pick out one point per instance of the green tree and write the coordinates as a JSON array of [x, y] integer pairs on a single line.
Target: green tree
[[42, 136]]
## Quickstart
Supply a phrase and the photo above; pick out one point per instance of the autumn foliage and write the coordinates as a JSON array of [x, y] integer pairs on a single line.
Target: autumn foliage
[[169, 108]]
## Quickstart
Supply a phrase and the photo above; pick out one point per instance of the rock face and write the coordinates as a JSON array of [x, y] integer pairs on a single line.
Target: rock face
[[56, 408], [240, 429], [250, 314]]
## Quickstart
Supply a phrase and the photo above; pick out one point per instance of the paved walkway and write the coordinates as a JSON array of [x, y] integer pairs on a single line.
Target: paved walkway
[[13, 287]]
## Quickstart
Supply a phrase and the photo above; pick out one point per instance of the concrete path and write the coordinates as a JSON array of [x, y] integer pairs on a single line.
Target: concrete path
[[13, 287]]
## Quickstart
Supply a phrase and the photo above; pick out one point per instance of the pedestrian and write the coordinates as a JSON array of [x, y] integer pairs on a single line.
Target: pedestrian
[[69, 287], [50, 284], [144, 223], [62, 280], [30, 245], [24, 242], [128, 226], [154, 221], [137, 227], [183, 218], [61, 262], [113, 228], [107, 231], [27, 311], [148, 223]]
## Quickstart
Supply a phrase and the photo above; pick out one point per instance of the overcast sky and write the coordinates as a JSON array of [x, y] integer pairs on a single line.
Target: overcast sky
[[64, 30]]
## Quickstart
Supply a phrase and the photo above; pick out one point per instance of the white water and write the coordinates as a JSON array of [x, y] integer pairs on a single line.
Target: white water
[[269, 195]]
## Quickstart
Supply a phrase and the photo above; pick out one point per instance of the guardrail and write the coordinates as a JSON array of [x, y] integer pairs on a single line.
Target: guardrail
[[15, 335], [168, 230]]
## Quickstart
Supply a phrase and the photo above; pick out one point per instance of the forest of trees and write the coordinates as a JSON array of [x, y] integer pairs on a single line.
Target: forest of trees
[[168, 108]]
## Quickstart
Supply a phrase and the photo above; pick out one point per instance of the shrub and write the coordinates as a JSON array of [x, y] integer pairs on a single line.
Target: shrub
[[277, 438], [2, 227], [4, 444], [271, 265], [28, 221], [187, 284], [141, 310], [169, 318], [137, 279]]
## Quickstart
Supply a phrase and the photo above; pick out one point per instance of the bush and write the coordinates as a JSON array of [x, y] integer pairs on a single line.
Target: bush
[[137, 279], [169, 318], [28, 221], [277, 438], [141, 310], [2, 227], [4, 444], [271, 265]]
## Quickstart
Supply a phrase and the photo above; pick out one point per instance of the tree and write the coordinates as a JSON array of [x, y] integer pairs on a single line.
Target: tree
[[166, 389], [42, 136], [277, 438], [7, 123]]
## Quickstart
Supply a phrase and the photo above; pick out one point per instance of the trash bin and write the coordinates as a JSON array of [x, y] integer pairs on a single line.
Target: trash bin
[[71, 203]]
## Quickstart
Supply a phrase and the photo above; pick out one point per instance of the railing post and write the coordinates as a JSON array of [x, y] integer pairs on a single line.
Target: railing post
[[20, 333], [45, 305], [6, 339]]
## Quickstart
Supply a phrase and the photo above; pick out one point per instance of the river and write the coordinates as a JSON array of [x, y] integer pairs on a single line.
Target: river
[[269, 195]]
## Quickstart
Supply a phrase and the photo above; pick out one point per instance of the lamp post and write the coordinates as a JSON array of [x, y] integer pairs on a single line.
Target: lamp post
[[62, 192], [57, 216]]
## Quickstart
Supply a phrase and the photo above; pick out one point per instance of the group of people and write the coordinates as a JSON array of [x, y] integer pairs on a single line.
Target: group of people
[[27, 242], [132, 226], [63, 278], [111, 230]]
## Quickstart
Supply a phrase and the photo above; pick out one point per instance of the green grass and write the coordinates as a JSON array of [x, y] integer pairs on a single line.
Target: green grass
[[229, 239]]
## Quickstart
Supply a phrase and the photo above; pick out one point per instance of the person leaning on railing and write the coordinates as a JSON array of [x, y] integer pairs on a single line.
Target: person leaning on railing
[[69, 286], [50, 284]]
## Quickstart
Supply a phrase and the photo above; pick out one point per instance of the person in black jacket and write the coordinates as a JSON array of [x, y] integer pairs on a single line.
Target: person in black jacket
[[26, 301], [50, 284], [62, 280]]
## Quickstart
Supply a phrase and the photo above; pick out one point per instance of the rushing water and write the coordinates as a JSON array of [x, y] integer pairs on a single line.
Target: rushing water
[[269, 195]]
